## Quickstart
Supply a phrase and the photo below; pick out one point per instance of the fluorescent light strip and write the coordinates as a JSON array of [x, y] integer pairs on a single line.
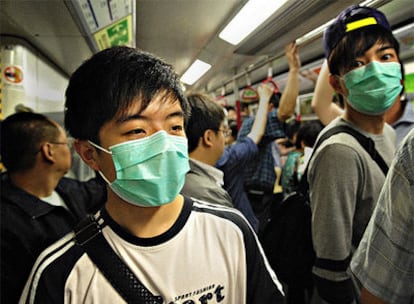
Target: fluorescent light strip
[[253, 14], [195, 71]]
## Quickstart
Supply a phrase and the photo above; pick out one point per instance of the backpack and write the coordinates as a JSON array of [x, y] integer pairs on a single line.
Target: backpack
[[287, 239]]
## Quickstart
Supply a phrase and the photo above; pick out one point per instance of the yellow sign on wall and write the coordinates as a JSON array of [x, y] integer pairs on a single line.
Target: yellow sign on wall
[[118, 33]]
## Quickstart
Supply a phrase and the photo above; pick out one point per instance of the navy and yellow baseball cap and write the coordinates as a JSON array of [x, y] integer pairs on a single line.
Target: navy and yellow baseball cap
[[351, 19]]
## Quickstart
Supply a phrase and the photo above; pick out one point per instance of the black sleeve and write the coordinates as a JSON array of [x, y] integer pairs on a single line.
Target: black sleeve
[[261, 285], [341, 292], [95, 189], [83, 197], [15, 267]]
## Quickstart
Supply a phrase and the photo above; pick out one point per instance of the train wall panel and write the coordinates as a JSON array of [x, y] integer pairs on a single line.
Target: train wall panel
[[29, 83]]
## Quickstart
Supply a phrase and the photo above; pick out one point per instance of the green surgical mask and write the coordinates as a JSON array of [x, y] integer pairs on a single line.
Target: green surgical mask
[[374, 87], [150, 171]]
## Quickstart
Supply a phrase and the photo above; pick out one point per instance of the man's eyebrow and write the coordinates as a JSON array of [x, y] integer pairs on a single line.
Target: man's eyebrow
[[385, 47], [125, 118], [176, 114]]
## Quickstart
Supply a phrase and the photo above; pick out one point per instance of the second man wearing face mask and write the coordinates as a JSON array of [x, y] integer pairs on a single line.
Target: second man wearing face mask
[[344, 180]]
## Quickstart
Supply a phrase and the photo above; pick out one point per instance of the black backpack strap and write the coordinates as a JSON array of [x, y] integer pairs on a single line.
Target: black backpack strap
[[89, 236], [366, 142]]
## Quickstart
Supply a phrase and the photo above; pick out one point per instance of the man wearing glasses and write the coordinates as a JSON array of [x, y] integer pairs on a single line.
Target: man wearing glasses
[[38, 204]]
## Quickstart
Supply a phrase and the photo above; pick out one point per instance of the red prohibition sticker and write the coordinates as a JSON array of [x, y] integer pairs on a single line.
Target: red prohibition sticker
[[13, 74]]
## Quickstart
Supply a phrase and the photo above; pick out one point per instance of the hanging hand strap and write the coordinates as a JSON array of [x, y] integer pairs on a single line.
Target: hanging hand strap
[[89, 236]]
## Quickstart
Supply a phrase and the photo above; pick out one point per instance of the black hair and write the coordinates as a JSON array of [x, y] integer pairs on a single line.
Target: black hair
[[109, 82], [233, 127], [355, 44], [21, 137], [308, 133], [275, 99], [244, 105], [339, 100], [291, 128], [206, 114]]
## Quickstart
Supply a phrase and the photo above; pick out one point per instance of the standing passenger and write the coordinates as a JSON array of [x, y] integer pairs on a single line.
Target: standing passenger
[[344, 180], [38, 205], [127, 112], [206, 131], [260, 176], [236, 157], [400, 116], [384, 261], [295, 164]]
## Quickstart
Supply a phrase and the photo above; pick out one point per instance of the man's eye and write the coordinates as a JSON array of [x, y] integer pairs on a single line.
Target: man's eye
[[387, 57], [177, 128], [136, 131], [358, 64]]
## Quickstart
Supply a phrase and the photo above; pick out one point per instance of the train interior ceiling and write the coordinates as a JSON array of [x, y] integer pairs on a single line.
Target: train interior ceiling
[[44, 41]]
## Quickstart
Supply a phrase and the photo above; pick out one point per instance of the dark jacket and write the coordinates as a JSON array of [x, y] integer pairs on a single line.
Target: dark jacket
[[29, 225]]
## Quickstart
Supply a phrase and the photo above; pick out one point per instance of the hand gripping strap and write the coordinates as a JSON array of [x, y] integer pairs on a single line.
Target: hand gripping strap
[[90, 237]]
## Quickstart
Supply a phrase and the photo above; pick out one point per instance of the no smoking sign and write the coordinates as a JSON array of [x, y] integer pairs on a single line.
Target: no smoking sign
[[13, 74]]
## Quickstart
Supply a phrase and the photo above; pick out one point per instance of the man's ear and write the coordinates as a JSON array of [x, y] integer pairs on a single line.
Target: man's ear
[[207, 139], [87, 152], [46, 150], [335, 82]]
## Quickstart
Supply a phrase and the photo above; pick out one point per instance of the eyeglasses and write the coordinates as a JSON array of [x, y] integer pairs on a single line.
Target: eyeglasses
[[69, 142], [226, 132]]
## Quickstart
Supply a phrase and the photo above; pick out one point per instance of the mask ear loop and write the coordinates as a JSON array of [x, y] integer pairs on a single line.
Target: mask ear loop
[[99, 147], [104, 150], [104, 178]]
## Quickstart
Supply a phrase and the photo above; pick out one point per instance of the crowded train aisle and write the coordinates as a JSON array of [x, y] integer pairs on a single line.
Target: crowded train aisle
[[281, 173]]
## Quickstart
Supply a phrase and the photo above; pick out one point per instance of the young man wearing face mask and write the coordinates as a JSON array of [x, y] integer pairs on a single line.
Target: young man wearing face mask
[[127, 112], [344, 180]]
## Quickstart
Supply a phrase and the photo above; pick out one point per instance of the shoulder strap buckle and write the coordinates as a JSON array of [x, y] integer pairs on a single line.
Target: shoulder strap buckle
[[87, 229]]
